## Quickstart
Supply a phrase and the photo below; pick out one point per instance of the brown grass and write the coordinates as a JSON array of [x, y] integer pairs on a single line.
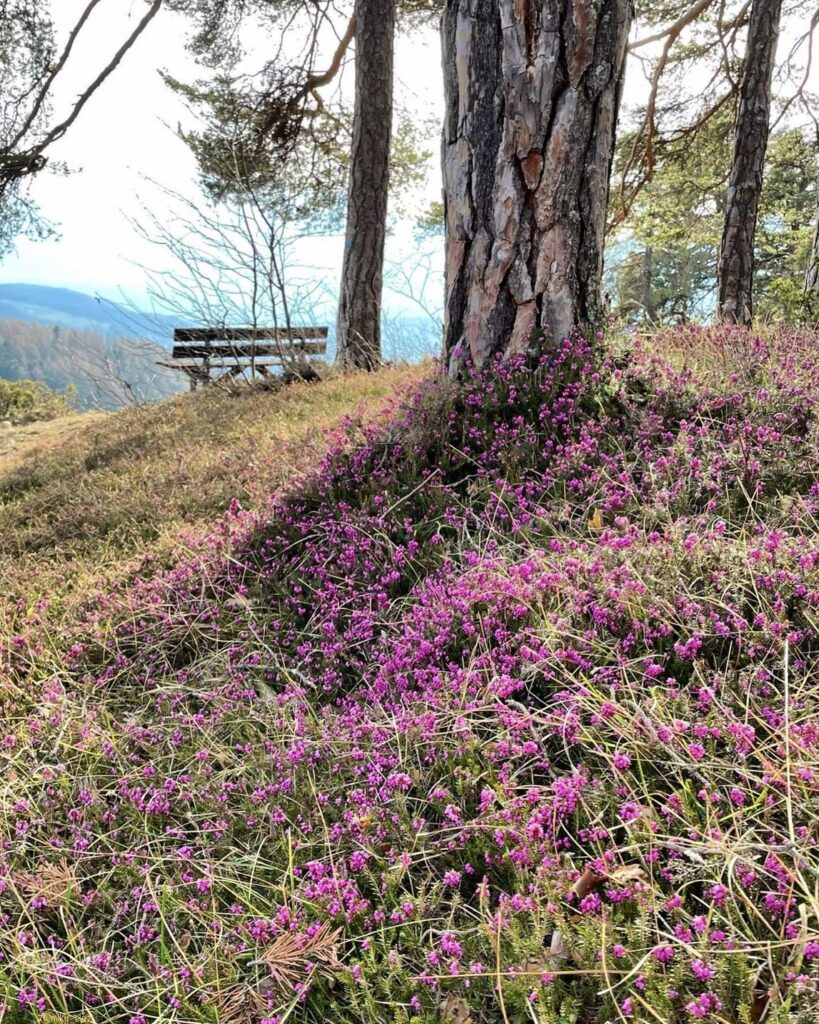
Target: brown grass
[[85, 494], [34, 440]]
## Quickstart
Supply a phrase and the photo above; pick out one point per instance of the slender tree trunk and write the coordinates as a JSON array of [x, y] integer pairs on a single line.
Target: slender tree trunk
[[812, 275], [358, 335], [647, 285], [735, 273], [532, 92], [812, 272]]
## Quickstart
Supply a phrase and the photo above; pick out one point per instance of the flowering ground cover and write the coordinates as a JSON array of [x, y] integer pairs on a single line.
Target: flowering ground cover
[[506, 714]]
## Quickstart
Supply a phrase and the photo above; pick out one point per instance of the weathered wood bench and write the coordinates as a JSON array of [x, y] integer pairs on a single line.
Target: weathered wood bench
[[201, 351]]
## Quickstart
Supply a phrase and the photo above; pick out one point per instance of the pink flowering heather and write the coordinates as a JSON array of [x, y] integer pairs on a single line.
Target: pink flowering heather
[[512, 702]]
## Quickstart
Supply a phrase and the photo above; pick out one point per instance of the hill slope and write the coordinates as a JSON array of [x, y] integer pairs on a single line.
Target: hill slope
[[105, 371], [506, 712], [33, 441], [95, 490], [71, 309]]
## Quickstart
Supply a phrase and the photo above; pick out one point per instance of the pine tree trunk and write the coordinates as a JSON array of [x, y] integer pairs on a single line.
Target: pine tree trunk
[[532, 92], [647, 285], [735, 274], [812, 276], [812, 273], [358, 332]]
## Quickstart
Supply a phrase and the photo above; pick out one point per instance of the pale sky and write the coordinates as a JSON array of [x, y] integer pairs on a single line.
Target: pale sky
[[125, 135], [118, 136]]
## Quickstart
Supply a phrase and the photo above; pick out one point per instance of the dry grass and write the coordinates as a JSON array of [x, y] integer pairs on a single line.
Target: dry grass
[[86, 494], [20, 444]]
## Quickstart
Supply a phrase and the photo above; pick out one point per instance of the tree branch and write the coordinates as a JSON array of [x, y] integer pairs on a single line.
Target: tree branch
[[800, 90], [49, 81], [59, 130], [647, 131], [673, 30], [317, 81]]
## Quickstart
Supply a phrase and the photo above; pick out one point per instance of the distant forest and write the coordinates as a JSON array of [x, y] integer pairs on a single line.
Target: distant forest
[[107, 372]]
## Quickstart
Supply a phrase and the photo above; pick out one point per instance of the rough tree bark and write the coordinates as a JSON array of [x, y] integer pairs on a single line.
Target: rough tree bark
[[735, 273], [647, 285], [358, 332], [812, 272], [812, 275], [532, 91]]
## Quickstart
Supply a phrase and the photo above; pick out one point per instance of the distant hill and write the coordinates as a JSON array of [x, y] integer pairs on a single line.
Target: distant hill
[[105, 351], [107, 371], [67, 308]]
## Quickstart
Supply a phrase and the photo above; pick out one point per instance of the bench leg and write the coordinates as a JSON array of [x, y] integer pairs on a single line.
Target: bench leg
[[197, 378]]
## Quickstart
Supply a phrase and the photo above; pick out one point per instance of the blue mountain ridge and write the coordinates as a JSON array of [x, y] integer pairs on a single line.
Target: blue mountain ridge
[[71, 309]]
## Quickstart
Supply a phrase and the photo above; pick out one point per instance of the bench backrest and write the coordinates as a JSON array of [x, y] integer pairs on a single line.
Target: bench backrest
[[247, 342]]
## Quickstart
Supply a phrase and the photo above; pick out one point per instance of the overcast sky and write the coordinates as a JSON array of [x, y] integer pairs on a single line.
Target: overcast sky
[[125, 135]]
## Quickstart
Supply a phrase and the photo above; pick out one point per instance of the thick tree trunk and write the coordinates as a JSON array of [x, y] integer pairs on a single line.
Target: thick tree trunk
[[735, 274], [358, 335], [532, 93]]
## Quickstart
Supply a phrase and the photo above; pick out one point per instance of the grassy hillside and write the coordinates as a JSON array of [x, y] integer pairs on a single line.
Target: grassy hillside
[[20, 443], [92, 491], [504, 712]]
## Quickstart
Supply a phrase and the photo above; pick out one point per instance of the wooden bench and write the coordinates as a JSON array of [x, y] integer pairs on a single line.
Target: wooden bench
[[199, 351]]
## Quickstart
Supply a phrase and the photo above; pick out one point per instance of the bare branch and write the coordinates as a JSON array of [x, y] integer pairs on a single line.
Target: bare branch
[[42, 96], [59, 130], [672, 31], [317, 81], [649, 127], [799, 94]]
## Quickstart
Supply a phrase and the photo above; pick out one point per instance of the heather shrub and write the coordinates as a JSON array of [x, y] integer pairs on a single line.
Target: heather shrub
[[507, 713], [26, 401]]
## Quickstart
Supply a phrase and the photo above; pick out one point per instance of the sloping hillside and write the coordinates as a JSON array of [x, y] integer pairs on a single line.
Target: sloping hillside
[[94, 490], [505, 712], [35, 440]]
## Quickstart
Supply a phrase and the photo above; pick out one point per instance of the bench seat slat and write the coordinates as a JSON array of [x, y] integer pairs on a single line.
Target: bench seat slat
[[217, 364], [288, 349]]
